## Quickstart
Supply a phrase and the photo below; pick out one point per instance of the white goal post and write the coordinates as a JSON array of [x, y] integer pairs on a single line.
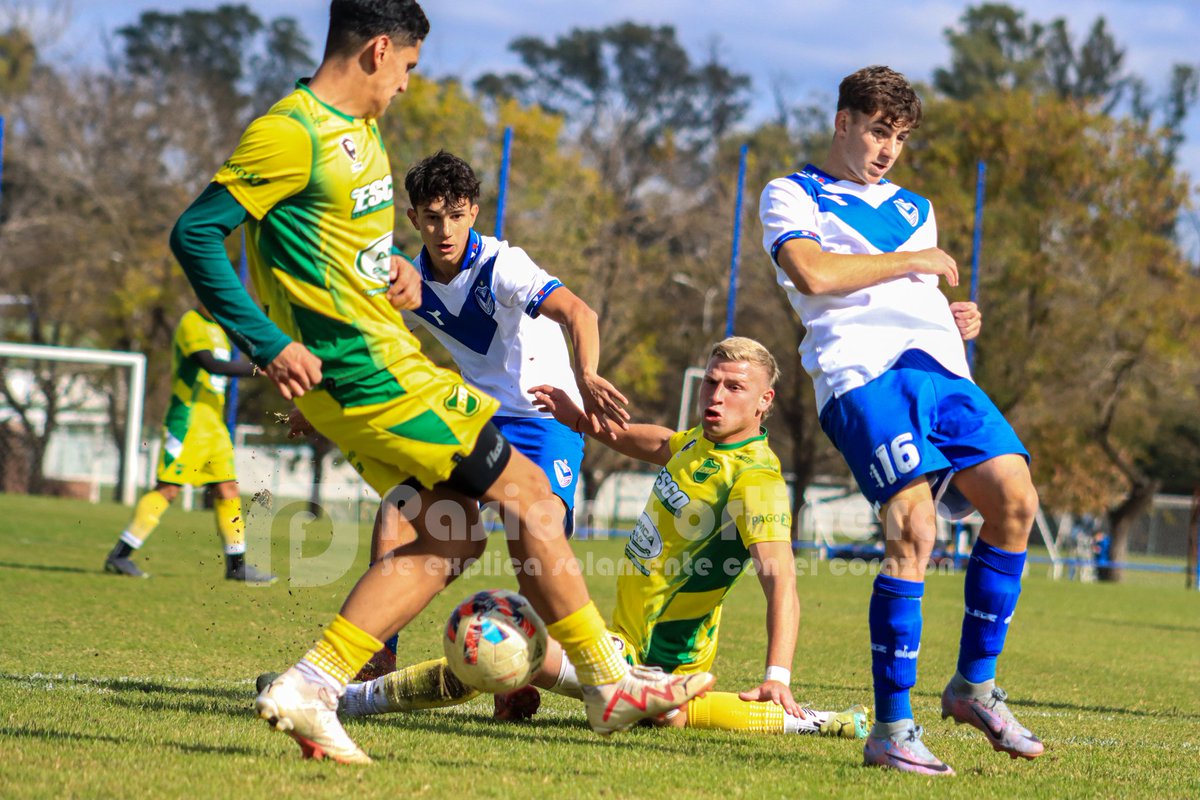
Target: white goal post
[[137, 388]]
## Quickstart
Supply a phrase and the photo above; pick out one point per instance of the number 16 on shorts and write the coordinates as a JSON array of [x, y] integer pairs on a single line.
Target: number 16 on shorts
[[895, 460]]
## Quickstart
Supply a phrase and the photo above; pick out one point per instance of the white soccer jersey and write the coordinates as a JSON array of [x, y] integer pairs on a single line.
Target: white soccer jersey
[[854, 337], [487, 317]]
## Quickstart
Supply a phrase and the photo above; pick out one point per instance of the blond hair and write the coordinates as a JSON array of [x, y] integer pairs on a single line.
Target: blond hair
[[741, 348]]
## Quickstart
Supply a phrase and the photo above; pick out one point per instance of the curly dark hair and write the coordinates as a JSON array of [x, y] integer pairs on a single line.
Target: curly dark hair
[[883, 89], [353, 23], [441, 176]]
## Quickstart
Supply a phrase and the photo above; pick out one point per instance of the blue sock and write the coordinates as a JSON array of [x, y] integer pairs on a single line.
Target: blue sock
[[992, 587], [392, 642], [895, 619]]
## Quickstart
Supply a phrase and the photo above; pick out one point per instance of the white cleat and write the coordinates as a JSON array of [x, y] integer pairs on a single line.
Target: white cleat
[[307, 712], [644, 693]]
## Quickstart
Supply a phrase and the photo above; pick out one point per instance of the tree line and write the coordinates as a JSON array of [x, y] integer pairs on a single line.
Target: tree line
[[625, 156]]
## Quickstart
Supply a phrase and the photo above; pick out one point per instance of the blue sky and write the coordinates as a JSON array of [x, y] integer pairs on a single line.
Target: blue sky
[[803, 46]]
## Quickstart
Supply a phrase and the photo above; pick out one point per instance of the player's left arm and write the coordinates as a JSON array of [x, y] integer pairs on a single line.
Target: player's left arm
[[602, 401], [761, 510], [216, 366], [968, 318], [650, 443]]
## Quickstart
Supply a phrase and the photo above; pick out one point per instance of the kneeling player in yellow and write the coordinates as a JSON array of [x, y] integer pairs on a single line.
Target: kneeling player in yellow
[[311, 181], [196, 449], [719, 503]]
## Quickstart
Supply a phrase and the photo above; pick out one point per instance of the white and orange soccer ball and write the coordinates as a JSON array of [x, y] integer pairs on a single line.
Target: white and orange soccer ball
[[495, 641]]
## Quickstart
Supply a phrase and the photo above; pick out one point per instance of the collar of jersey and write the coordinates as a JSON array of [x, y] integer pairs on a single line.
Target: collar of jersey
[[762, 434], [302, 85], [474, 248], [822, 177]]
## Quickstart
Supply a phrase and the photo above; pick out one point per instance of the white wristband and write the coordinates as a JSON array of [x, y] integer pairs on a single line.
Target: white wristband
[[781, 674]]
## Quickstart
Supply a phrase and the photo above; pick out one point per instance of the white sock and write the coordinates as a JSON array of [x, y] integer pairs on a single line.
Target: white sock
[[567, 683], [810, 723], [315, 674]]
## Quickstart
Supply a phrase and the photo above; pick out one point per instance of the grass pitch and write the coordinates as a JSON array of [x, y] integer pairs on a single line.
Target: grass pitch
[[111, 687]]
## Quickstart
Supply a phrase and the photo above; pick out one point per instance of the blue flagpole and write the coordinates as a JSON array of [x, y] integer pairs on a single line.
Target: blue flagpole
[[505, 159], [1, 155], [731, 306], [231, 411]]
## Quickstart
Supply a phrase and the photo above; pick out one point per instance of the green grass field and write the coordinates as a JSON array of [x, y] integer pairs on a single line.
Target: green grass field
[[111, 687]]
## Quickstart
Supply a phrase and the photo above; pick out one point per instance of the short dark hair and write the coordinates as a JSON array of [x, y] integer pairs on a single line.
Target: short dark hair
[[353, 23], [441, 176], [883, 89]]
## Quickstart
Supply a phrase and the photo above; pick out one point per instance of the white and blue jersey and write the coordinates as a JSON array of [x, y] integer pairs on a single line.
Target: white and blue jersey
[[893, 389], [854, 337], [488, 317]]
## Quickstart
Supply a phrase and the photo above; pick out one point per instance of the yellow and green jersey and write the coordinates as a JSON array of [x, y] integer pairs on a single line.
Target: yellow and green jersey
[[318, 187], [196, 411], [710, 503]]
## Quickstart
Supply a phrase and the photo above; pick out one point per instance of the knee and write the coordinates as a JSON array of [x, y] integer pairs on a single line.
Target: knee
[[1019, 502]]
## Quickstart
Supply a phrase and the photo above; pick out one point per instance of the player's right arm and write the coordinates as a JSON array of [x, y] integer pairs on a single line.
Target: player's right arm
[[271, 163], [789, 220], [644, 442]]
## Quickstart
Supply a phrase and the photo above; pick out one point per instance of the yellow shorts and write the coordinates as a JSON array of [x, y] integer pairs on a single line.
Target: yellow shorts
[[411, 420], [196, 448]]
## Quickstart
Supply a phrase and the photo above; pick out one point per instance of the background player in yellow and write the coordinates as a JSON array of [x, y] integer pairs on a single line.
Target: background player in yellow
[[311, 182], [719, 502], [196, 449]]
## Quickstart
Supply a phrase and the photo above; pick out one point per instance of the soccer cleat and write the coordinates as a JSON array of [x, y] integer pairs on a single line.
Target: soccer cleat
[[383, 662], [990, 714], [644, 693], [903, 751], [518, 704], [248, 574], [123, 566], [853, 723], [307, 712]]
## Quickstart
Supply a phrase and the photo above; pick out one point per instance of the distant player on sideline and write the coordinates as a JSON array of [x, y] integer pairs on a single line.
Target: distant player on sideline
[[501, 317], [858, 258], [196, 448], [312, 183], [719, 502]]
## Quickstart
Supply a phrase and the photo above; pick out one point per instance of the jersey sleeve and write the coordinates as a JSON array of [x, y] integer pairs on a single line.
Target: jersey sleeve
[[272, 162], [678, 440], [760, 507], [518, 282], [787, 212], [192, 335]]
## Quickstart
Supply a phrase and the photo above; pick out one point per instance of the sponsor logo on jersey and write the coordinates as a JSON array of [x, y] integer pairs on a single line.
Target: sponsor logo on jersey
[[669, 493], [240, 172], [645, 542], [462, 400], [373, 264], [484, 298], [907, 210], [371, 197], [762, 519], [706, 470], [563, 472], [351, 152], [688, 446]]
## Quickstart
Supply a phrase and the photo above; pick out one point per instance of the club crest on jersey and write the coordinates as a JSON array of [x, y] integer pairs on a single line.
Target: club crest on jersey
[[351, 152], [907, 210], [563, 472], [462, 400], [706, 470], [484, 298]]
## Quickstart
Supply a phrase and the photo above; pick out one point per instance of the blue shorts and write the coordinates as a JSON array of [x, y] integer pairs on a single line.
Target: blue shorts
[[552, 446], [918, 418]]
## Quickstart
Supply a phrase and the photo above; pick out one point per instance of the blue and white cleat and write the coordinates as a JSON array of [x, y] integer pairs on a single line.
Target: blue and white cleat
[[990, 714], [903, 751]]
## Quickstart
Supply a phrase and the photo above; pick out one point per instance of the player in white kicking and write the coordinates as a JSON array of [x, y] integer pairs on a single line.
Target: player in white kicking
[[858, 258]]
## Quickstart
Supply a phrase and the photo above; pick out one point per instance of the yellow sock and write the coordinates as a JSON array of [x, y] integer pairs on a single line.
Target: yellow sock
[[728, 712], [145, 518], [585, 640], [231, 525], [429, 684], [342, 651]]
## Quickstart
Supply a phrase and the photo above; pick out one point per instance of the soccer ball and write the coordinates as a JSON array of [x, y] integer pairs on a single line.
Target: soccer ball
[[495, 641]]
